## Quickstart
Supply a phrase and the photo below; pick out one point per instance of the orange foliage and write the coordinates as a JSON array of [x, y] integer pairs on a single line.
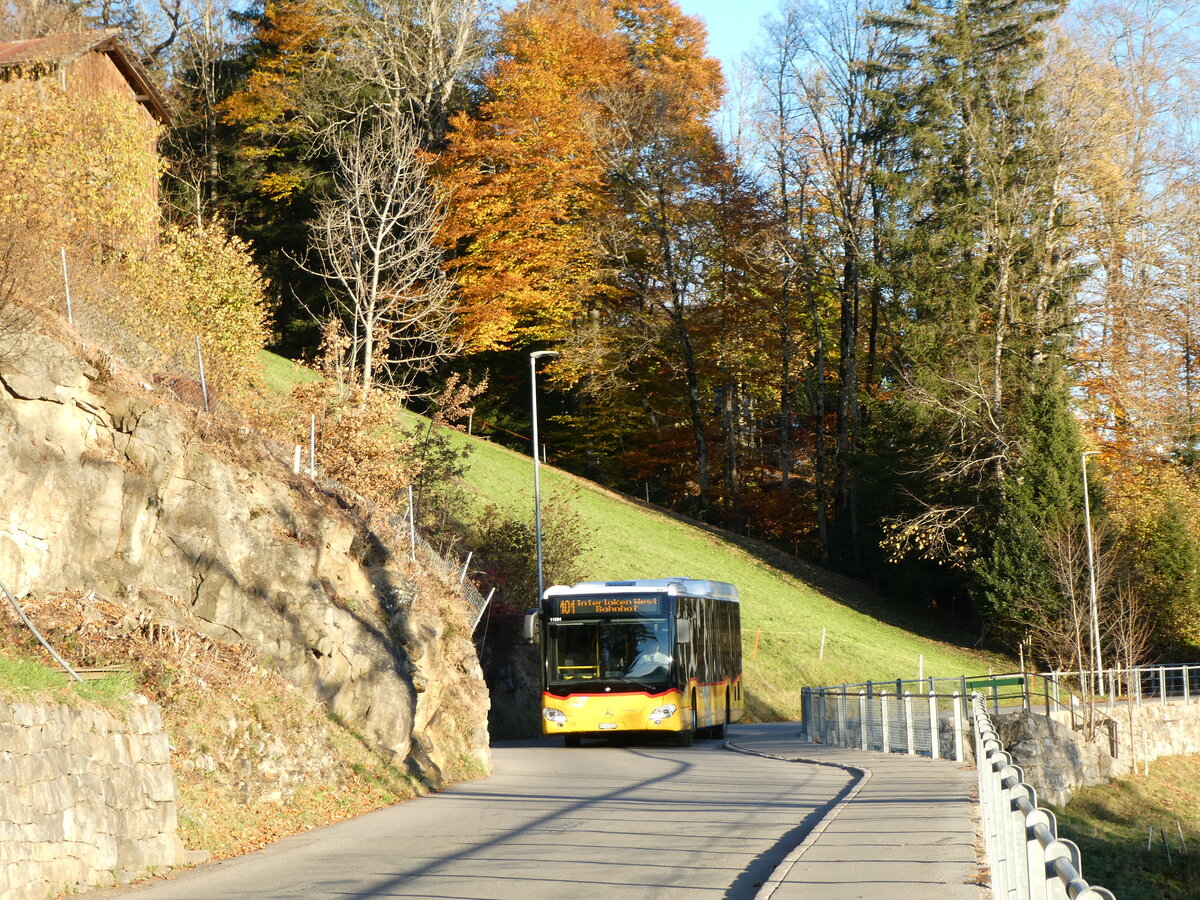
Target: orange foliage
[[526, 181], [580, 87]]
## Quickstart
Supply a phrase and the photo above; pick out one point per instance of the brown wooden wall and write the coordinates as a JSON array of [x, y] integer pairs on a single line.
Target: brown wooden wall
[[94, 73]]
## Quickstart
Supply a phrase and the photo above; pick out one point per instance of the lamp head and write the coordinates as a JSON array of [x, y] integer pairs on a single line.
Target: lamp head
[[539, 354]]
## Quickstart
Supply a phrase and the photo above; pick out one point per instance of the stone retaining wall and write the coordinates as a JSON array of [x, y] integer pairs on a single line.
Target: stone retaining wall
[[85, 798], [1057, 759]]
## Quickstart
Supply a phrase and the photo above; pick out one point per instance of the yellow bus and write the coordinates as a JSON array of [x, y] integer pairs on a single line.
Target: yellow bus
[[653, 655]]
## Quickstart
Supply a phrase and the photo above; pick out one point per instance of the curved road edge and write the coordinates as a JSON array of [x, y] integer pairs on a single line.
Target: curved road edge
[[861, 776]]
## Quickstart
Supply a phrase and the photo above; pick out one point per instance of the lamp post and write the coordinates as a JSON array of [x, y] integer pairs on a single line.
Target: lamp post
[[1087, 518], [537, 487]]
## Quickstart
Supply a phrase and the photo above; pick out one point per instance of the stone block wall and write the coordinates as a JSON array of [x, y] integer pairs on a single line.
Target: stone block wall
[[1158, 729], [86, 798], [1057, 759]]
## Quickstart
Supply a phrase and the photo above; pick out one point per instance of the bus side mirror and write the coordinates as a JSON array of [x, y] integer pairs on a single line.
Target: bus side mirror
[[683, 631], [530, 628]]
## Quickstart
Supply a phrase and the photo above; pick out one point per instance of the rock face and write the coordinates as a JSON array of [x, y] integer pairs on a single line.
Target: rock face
[[106, 487], [1056, 760]]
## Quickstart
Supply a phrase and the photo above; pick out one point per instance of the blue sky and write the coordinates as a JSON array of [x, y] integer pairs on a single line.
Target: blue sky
[[733, 25]]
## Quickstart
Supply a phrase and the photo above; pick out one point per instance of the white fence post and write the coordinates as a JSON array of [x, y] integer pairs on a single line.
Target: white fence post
[[908, 723], [412, 525], [862, 720], [200, 365], [841, 718], [935, 733], [883, 721], [67, 286], [958, 728]]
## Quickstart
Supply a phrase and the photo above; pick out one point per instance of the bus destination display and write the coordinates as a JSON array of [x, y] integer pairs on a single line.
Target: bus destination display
[[607, 606]]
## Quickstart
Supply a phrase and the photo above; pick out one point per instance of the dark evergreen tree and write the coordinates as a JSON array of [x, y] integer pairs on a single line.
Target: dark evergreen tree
[[979, 418]]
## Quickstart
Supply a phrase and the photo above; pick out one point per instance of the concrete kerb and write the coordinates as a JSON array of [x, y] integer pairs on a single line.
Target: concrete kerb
[[861, 775]]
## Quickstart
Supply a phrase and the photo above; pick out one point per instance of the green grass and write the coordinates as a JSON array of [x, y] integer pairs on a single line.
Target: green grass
[[1110, 823], [282, 374], [785, 603], [24, 679]]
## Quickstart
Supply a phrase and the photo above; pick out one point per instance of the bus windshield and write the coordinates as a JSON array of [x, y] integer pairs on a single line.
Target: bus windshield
[[636, 651]]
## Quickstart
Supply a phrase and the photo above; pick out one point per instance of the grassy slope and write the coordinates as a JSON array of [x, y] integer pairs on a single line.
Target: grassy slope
[[1110, 822], [783, 611]]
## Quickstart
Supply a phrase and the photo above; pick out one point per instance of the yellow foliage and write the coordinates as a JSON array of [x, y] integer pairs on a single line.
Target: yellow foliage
[[202, 282], [75, 170], [359, 439]]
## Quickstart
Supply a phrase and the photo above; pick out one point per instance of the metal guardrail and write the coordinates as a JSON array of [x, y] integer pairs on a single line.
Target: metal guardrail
[[1059, 690], [903, 715], [1027, 858]]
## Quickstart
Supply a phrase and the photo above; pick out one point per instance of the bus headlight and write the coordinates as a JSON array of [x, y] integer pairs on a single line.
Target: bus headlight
[[554, 715], [663, 712]]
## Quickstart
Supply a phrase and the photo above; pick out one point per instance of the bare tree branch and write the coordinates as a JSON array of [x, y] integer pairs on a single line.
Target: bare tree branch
[[375, 237]]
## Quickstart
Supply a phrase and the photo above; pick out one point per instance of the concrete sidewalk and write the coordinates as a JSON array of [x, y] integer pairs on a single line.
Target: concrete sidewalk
[[905, 829]]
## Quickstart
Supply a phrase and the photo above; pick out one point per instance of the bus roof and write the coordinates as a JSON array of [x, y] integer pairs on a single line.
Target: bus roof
[[688, 587]]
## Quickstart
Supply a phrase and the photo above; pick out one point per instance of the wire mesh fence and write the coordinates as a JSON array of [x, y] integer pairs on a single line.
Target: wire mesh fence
[[918, 724]]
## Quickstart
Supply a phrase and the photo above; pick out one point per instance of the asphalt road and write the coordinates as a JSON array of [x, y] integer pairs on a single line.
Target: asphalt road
[[646, 820]]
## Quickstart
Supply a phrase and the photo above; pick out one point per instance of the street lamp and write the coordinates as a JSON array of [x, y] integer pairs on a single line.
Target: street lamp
[[1087, 518], [537, 487]]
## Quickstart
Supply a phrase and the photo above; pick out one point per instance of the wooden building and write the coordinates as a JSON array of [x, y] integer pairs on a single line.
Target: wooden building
[[84, 66], [87, 62]]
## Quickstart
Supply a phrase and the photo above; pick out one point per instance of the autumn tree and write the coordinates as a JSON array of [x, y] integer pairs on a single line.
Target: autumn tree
[[409, 56], [527, 180], [198, 144], [1128, 86], [665, 163]]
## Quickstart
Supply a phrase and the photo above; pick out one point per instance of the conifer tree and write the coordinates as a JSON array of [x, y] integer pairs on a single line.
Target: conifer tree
[[984, 281]]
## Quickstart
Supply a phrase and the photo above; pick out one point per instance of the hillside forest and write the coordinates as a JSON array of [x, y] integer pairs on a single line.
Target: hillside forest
[[912, 293]]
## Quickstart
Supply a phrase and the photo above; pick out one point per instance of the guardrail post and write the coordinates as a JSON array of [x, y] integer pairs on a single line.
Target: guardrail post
[[1187, 685], [1059, 849], [841, 713], [908, 724], [1015, 790], [1162, 684], [883, 721], [862, 721], [958, 726], [935, 733], [1035, 853]]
